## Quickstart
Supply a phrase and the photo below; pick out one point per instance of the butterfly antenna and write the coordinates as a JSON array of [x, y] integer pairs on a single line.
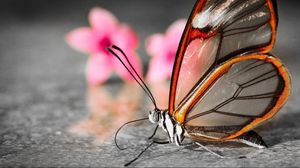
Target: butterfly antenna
[[136, 158], [134, 74], [139, 77], [115, 138]]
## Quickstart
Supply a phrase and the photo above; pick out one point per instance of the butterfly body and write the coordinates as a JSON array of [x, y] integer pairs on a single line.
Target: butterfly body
[[175, 131]]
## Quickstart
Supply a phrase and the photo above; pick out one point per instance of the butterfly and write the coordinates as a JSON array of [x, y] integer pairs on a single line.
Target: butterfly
[[224, 81]]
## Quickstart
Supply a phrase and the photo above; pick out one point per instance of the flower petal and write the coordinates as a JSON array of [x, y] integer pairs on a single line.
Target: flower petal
[[126, 38], [156, 45], [82, 39], [174, 33], [159, 70], [102, 20], [136, 63], [98, 69], [163, 48]]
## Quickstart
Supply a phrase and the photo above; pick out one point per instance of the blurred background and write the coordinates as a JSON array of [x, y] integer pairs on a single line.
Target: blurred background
[[43, 91]]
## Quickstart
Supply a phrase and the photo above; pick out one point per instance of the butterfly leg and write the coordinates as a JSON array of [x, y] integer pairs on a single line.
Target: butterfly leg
[[154, 132], [218, 154], [210, 151], [161, 142], [251, 138], [147, 147]]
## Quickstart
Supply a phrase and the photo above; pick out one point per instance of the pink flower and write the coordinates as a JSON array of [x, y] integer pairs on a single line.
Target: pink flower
[[105, 31], [163, 48]]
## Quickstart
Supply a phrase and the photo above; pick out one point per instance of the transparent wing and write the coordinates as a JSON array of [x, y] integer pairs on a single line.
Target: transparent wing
[[252, 90], [216, 31]]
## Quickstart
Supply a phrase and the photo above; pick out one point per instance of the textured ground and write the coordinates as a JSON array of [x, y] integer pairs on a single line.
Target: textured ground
[[43, 96]]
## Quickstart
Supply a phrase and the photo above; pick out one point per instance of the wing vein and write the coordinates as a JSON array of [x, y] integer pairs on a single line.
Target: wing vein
[[245, 14], [247, 31]]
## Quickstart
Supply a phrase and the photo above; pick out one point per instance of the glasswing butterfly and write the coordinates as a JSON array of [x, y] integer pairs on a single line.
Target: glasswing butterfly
[[224, 80]]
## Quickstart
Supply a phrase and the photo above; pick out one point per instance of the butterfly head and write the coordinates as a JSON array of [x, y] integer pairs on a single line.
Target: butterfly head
[[154, 116]]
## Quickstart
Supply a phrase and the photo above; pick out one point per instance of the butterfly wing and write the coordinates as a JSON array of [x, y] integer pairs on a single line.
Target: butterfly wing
[[237, 96], [224, 82], [216, 31]]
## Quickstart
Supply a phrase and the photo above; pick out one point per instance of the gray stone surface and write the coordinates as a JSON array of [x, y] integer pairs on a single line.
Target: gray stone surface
[[43, 91]]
